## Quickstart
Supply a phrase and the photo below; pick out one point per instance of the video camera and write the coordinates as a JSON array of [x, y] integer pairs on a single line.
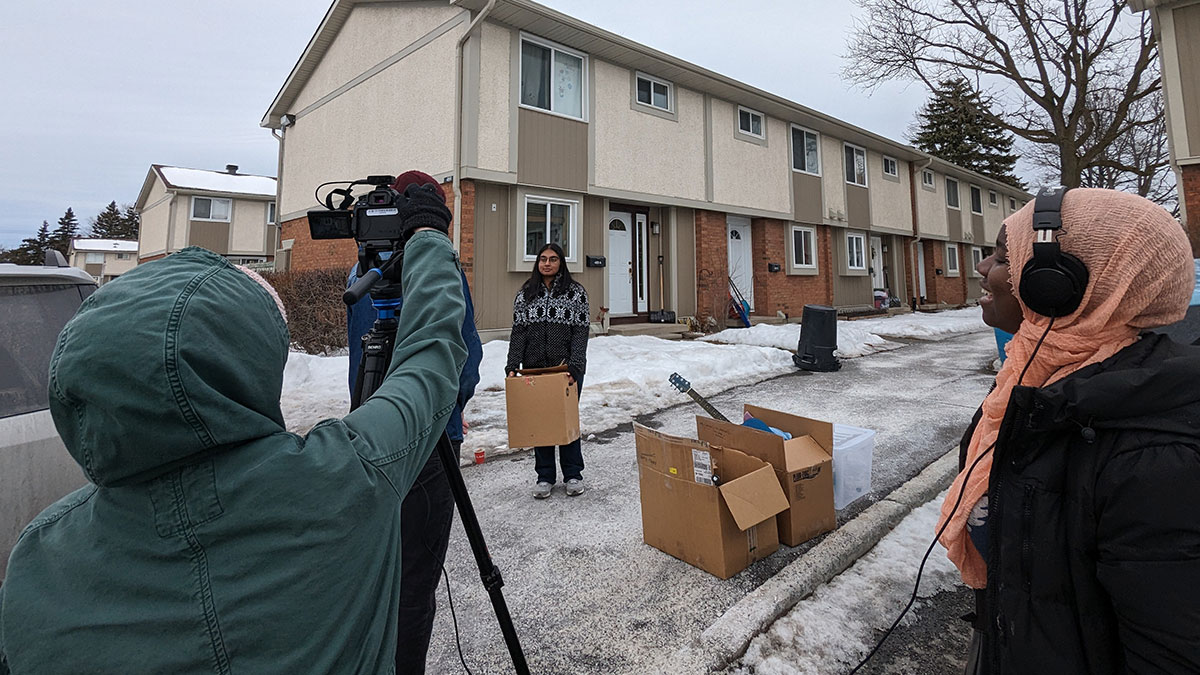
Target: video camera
[[375, 217]]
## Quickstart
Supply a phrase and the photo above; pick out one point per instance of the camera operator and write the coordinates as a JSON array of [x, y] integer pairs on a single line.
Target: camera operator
[[428, 510], [212, 540]]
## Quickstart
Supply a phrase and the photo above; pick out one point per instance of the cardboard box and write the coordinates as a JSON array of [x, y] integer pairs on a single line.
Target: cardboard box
[[803, 465], [543, 408], [720, 526]]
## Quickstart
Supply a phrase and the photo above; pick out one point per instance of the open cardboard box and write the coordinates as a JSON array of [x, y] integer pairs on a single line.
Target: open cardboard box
[[803, 466], [542, 406], [710, 507]]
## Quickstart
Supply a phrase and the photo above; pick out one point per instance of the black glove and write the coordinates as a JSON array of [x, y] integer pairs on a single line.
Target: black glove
[[423, 207]]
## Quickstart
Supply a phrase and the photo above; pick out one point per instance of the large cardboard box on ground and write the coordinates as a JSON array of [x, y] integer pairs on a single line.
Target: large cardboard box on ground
[[720, 526], [803, 466], [543, 408]]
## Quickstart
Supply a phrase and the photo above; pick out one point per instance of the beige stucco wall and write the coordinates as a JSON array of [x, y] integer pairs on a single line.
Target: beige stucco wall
[[745, 173], [833, 179], [371, 34], [152, 232], [891, 205], [183, 215], [931, 208], [495, 97], [248, 231], [115, 267], [993, 216], [642, 152], [381, 126]]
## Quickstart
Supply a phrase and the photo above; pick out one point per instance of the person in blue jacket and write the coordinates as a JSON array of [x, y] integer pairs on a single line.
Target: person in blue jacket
[[428, 510]]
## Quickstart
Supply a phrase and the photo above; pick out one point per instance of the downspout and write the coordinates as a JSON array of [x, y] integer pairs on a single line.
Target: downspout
[[278, 134], [458, 118], [912, 249]]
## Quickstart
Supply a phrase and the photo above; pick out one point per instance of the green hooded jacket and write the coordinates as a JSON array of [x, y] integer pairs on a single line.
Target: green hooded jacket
[[212, 540]]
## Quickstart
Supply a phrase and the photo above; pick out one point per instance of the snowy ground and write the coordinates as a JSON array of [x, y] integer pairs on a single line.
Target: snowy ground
[[626, 376], [835, 627]]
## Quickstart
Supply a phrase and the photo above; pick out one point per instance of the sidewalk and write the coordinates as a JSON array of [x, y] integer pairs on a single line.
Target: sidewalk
[[586, 594]]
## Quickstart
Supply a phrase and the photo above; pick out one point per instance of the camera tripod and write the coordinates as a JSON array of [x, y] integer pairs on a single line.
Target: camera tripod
[[372, 368]]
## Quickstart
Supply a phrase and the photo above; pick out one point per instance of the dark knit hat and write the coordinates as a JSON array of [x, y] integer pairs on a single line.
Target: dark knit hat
[[416, 178]]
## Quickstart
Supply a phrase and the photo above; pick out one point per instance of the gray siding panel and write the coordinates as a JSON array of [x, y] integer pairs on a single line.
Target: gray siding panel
[[212, 236], [808, 198], [1187, 30], [552, 151], [977, 231], [954, 220], [848, 291], [494, 286], [685, 228], [858, 207]]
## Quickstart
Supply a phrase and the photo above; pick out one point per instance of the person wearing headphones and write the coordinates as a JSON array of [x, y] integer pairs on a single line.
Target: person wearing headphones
[[1075, 514]]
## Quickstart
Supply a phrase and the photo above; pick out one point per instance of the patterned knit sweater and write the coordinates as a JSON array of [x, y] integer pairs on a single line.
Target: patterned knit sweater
[[550, 330]]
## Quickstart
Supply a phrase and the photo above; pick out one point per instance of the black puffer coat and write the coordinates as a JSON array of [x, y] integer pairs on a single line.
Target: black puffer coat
[[551, 329], [1094, 520]]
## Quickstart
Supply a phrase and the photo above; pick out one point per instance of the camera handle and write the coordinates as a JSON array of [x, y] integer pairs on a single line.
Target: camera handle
[[372, 368]]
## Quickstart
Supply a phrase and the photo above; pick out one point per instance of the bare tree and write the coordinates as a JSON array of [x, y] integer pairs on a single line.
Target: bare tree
[[1072, 77]]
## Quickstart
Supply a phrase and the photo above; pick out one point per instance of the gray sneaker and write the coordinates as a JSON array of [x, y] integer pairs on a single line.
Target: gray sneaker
[[574, 487], [542, 490]]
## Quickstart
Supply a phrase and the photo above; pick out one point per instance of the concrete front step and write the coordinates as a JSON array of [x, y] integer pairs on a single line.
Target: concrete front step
[[666, 331]]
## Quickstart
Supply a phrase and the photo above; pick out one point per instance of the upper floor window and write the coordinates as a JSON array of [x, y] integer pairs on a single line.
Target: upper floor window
[[927, 179], [856, 165], [804, 251], [1012, 204], [992, 199], [805, 153], [976, 200], [123, 256], [270, 213], [94, 259], [211, 208], [889, 166], [552, 78], [951, 193], [549, 221], [750, 122], [855, 245], [654, 92]]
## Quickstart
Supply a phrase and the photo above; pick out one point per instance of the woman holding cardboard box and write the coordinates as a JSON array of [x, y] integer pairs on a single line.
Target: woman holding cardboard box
[[550, 327]]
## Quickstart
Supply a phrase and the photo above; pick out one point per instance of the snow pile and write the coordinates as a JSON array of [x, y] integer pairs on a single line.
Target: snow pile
[[835, 627], [314, 388], [865, 336]]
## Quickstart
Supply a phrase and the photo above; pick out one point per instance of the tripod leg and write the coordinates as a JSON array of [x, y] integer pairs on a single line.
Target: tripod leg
[[488, 571]]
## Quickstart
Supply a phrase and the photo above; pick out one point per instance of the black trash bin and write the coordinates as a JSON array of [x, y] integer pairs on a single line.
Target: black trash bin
[[818, 340]]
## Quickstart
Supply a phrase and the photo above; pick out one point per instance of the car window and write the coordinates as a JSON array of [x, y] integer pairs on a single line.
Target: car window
[[33, 317]]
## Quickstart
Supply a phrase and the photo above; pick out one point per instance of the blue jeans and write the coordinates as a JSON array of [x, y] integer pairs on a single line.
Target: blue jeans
[[570, 455]]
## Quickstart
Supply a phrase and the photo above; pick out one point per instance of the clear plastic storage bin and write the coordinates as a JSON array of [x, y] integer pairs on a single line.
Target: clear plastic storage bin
[[853, 449]]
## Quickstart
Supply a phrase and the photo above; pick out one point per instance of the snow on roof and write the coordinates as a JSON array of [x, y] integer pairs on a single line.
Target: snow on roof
[[104, 245], [217, 181]]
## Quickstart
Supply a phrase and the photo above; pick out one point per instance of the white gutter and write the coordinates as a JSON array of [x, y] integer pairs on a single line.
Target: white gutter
[[278, 192], [458, 118]]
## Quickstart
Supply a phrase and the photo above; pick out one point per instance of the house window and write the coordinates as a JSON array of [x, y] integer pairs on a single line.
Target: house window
[[254, 260], [889, 166], [856, 165], [549, 221], [927, 179], [992, 199], [805, 153], [750, 122], [976, 258], [1012, 204], [552, 78], [123, 256], [804, 250], [976, 200], [951, 259], [270, 213], [952, 193], [654, 92], [94, 259], [211, 208], [855, 244]]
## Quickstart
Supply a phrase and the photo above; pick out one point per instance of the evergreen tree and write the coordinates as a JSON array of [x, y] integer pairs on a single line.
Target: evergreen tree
[[32, 250], [956, 125], [107, 225], [130, 224], [68, 229]]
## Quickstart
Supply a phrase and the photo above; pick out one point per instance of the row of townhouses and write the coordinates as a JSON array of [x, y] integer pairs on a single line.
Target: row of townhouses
[[660, 179]]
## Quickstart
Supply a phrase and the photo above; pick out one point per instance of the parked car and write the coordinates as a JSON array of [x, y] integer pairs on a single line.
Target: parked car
[[35, 469]]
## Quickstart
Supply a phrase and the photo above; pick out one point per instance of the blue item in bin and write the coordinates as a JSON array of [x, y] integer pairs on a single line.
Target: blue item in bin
[[755, 423]]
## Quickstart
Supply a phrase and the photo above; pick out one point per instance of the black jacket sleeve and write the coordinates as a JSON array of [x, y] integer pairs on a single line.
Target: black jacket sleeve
[[1148, 555]]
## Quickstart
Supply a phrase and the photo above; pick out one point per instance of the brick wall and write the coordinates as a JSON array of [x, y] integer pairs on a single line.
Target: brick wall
[[712, 266], [1190, 193], [466, 246], [779, 291], [941, 288]]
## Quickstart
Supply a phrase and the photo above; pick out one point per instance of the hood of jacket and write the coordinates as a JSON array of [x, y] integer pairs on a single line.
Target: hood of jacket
[[1151, 384], [178, 358]]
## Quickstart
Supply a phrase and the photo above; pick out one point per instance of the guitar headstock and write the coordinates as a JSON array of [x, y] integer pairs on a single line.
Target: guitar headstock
[[679, 383]]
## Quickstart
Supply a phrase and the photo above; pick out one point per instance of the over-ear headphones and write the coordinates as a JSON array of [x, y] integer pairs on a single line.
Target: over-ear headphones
[[1052, 282]]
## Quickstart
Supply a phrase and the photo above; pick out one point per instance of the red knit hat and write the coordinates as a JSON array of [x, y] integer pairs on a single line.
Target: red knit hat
[[416, 178]]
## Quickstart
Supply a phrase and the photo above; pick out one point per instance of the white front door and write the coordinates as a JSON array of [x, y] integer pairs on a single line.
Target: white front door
[[642, 271], [877, 277], [921, 272], [741, 266], [620, 264]]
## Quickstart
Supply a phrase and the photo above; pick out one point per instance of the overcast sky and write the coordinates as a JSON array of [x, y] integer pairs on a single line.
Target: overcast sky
[[96, 92]]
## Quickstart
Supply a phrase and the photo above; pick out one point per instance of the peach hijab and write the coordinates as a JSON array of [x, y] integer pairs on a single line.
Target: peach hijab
[[1140, 276]]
